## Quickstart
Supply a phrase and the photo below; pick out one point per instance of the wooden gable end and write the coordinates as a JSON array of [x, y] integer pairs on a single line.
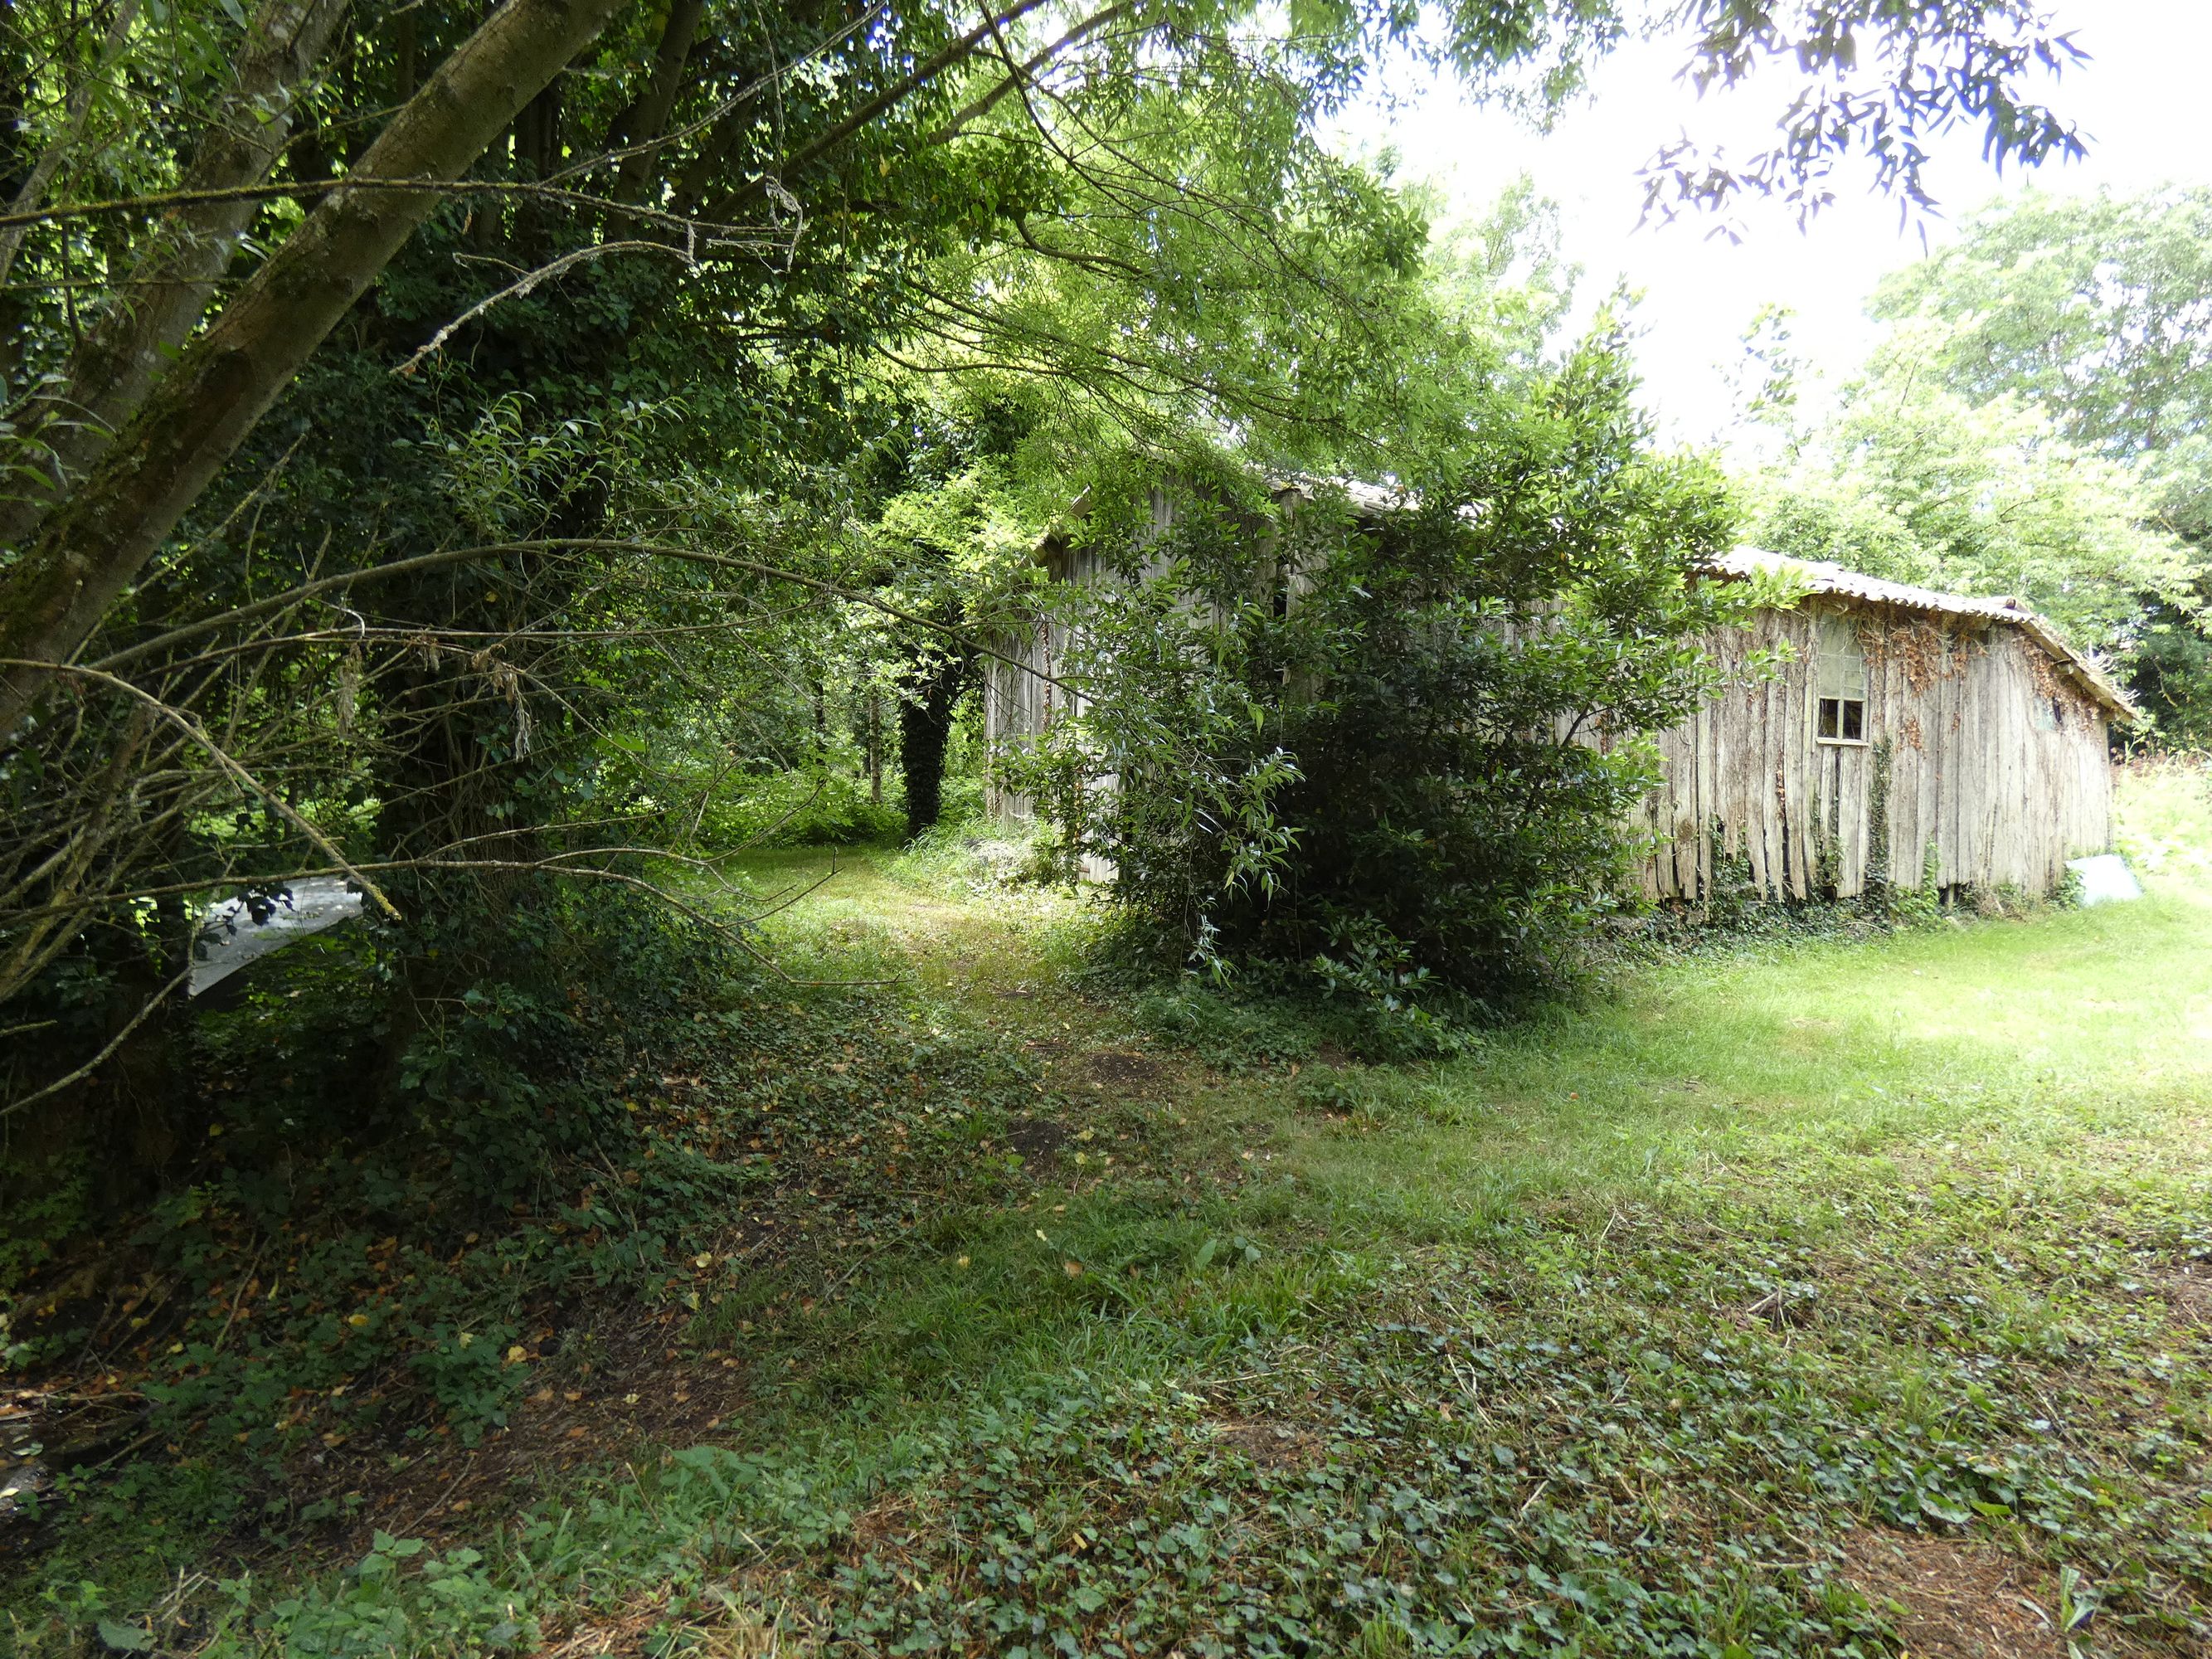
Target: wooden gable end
[[1975, 762]]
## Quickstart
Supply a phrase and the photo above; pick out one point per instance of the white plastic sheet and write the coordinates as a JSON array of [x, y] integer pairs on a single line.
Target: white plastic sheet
[[229, 937], [2105, 879]]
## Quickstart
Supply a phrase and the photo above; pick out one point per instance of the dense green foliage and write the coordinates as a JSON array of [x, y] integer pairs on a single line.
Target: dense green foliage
[[1915, 484], [2095, 309], [1394, 746], [2038, 425]]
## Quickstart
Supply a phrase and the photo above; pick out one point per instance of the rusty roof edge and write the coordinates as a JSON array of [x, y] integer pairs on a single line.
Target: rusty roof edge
[[2088, 667], [1823, 576]]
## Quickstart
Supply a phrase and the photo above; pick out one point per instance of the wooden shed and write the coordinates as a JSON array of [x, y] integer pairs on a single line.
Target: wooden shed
[[1915, 736]]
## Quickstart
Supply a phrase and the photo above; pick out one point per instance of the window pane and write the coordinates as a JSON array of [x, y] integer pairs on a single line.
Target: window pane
[[1853, 719], [1830, 713], [1841, 670]]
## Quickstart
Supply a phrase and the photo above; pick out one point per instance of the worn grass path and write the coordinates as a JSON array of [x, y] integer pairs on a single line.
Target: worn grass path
[[1800, 1297], [1794, 1297]]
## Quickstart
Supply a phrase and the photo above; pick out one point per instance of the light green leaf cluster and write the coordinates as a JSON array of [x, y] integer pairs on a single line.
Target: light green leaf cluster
[[1912, 481]]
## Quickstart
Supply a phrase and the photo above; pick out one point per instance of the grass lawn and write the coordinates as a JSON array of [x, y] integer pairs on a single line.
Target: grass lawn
[[1795, 1296]]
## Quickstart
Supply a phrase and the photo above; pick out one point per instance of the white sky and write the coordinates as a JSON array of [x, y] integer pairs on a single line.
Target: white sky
[[2139, 101]]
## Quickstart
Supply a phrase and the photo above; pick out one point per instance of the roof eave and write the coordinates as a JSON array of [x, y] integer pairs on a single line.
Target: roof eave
[[1836, 581]]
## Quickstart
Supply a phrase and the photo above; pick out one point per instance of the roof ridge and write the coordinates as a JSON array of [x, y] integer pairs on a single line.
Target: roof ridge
[[1826, 576]]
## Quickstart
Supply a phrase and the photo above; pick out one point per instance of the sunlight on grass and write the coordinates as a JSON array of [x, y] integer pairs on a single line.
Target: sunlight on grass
[[2081, 1040], [1613, 1334]]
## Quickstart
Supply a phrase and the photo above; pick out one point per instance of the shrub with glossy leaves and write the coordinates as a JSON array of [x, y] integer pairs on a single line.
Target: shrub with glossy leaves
[[1395, 747]]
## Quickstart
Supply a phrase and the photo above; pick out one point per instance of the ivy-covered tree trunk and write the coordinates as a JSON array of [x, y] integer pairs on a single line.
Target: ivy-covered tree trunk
[[926, 716]]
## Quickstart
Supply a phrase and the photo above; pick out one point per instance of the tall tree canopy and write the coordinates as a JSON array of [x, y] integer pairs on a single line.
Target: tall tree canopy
[[2098, 309], [707, 137], [2061, 343], [1914, 482]]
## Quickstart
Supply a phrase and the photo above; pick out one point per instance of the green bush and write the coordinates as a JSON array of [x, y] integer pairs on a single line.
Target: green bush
[[1394, 750], [808, 806]]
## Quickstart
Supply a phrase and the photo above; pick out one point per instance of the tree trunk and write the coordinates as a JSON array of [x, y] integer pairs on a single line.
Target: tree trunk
[[644, 121], [91, 547], [925, 732], [191, 245]]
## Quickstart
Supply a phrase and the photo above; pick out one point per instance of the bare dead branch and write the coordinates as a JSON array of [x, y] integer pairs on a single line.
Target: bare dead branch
[[687, 254], [197, 735], [102, 1057]]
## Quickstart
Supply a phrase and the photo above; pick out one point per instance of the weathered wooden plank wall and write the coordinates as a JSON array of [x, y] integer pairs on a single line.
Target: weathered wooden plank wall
[[1021, 694], [1976, 746]]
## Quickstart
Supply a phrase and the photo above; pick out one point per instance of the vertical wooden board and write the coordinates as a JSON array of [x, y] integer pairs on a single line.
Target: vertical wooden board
[[2089, 770], [1823, 798], [1672, 750], [1803, 772], [2038, 800], [1972, 781], [1958, 764], [1929, 710], [1902, 806], [2000, 745], [2100, 823], [1762, 812], [2009, 825], [2042, 801], [2000, 742], [2038, 806], [1880, 729], [1765, 771], [2089, 759], [1782, 783], [1832, 761], [1958, 869], [1657, 817], [1733, 735], [1701, 874], [1774, 769], [1897, 808], [1852, 768], [2021, 831], [1787, 787], [1682, 802]]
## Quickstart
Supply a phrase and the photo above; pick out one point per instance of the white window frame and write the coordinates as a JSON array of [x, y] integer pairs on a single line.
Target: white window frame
[[1842, 703], [1839, 677]]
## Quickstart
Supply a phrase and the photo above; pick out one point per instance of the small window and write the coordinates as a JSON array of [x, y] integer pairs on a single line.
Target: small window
[[1842, 719], [1839, 689]]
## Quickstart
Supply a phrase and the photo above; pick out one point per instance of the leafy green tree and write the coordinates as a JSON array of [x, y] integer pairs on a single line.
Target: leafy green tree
[[2097, 308], [2097, 311], [1387, 747], [1916, 483]]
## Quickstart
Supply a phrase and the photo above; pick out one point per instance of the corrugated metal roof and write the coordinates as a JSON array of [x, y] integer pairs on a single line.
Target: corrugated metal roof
[[1820, 576], [2087, 670]]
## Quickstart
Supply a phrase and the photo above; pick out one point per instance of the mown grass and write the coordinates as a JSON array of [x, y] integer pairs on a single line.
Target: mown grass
[[1617, 1333]]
